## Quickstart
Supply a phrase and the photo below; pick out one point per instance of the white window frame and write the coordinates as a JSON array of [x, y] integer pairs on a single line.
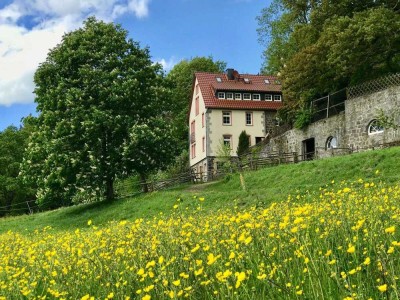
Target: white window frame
[[238, 96], [227, 140], [331, 143], [229, 96], [248, 96], [251, 118], [268, 96], [256, 97], [221, 95], [278, 98], [228, 115], [374, 127]]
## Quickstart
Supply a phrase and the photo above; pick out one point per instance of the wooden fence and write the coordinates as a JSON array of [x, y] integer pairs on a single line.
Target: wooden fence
[[246, 163]]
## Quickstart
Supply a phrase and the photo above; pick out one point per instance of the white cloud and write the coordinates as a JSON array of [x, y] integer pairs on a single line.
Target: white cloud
[[167, 64], [139, 7], [23, 48]]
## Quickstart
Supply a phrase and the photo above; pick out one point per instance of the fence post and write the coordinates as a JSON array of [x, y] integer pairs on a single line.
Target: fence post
[[327, 108], [295, 158], [30, 210]]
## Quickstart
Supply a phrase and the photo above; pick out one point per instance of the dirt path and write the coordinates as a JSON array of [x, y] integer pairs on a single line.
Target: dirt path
[[199, 186]]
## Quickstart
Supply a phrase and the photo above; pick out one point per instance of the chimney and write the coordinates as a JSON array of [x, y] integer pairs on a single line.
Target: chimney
[[229, 74]]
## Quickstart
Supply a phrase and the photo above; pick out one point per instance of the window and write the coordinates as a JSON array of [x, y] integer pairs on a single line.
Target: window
[[192, 132], [204, 144], [375, 127], [229, 96], [277, 98], [197, 89], [331, 143], [246, 80], [221, 95], [202, 120], [218, 79], [226, 118], [197, 106], [192, 126], [193, 150], [256, 97], [238, 96], [249, 118], [266, 81], [268, 97], [228, 140], [246, 96]]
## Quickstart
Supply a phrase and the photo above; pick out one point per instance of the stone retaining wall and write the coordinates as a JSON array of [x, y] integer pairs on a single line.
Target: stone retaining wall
[[350, 128]]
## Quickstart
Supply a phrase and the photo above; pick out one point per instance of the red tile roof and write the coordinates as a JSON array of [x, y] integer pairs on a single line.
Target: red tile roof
[[209, 86]]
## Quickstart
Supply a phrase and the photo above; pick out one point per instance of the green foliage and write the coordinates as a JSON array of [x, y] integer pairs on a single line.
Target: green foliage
[[13, 192], [180, 79], [389, 120], [92, 89], [303, 118], [320, 47], [150, 147], [243, 144], [302, 178], [224, 159]]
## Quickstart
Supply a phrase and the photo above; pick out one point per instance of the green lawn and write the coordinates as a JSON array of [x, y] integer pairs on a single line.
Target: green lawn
[[262, 187]]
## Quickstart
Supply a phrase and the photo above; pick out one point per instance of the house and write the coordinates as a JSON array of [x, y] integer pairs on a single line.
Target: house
[[222, 106]]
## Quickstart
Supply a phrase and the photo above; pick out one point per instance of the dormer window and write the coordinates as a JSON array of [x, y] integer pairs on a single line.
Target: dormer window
[[229, 96], [238, 96], [221, 95], [268, 97], [246, 96], [246, 80], [256, 97], [218, 79], [277, 98], [266, 81]]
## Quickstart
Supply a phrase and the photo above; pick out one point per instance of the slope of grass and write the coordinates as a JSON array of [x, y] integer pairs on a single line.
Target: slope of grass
[[325, 229], [262, 187]]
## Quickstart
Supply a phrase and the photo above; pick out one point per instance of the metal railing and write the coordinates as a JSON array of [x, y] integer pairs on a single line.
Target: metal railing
[[329, 105]]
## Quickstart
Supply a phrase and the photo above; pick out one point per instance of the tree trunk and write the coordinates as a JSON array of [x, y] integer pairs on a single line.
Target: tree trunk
[[145, 187], [109, 189]]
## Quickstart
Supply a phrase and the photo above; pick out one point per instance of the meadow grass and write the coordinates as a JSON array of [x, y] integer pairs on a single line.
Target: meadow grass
[[263, 187], [343, 244], [331, 232]]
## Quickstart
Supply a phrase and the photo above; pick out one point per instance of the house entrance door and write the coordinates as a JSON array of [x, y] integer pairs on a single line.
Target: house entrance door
[[309, 149]]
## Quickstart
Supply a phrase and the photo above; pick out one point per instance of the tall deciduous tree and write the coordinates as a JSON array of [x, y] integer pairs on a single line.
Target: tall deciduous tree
[[181, 80], [318, 47], [13, 191], [91, 90]]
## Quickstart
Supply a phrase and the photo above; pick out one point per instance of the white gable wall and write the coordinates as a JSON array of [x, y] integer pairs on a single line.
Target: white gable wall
[[200, 131]]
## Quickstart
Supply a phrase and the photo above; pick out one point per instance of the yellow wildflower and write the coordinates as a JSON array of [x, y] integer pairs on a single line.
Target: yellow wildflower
[[390, 229], [382, 288]]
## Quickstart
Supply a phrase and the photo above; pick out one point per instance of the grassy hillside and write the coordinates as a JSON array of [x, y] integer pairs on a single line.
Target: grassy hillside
[[325, 229], [262, 187]]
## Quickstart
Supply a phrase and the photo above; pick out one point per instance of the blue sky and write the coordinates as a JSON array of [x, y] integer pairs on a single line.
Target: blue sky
[[172, 29]]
